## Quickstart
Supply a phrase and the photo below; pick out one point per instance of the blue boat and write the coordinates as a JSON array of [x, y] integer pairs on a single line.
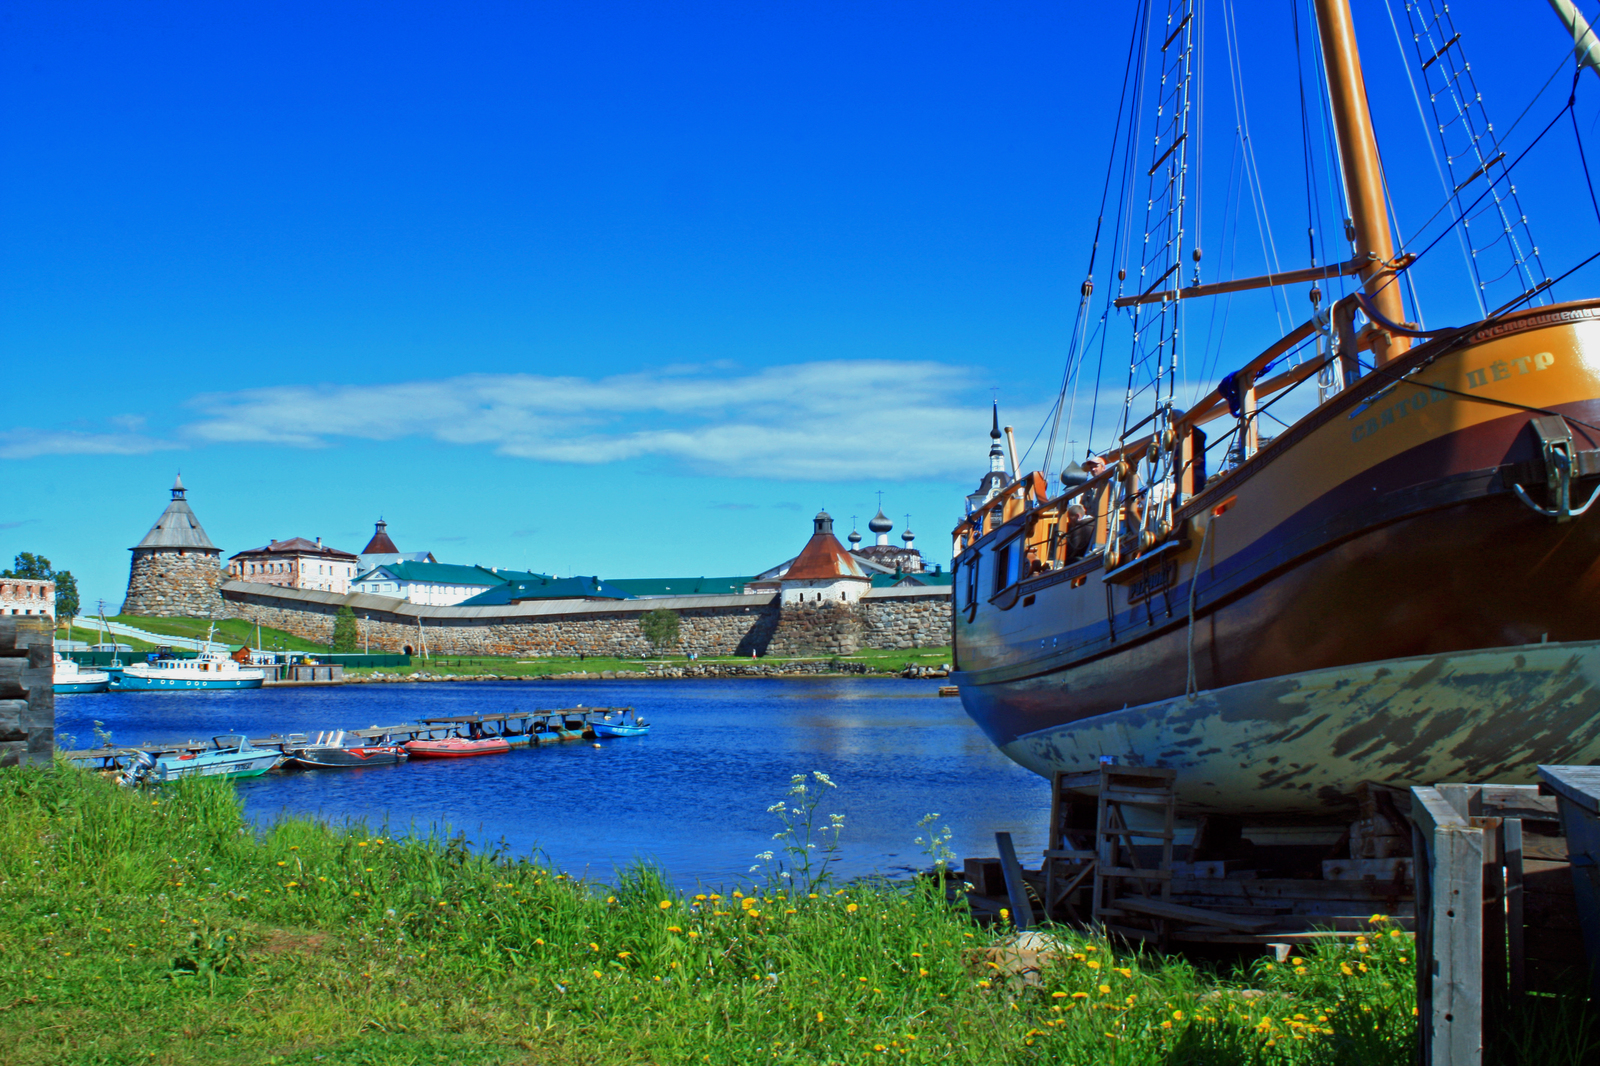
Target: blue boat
[[230, 755], [619, 723], [208, 670], [68, 676]]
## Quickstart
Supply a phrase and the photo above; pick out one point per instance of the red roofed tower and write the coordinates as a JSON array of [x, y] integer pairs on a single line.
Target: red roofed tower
[[380, 544], [823, 572]]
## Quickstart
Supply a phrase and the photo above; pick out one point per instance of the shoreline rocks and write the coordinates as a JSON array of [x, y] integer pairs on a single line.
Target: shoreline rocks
[[691, 671]]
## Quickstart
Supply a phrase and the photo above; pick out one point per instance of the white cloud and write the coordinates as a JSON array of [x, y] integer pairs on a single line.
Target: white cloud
[[810, 421], [24, 443]]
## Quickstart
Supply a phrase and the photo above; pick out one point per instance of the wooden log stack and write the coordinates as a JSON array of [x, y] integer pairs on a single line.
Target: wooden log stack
[[27, 690]]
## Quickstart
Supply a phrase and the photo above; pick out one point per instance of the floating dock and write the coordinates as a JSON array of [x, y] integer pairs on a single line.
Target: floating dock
[[524, 729]]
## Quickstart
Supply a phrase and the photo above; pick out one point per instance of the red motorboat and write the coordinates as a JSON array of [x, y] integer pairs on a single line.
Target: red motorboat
[[456, 747]]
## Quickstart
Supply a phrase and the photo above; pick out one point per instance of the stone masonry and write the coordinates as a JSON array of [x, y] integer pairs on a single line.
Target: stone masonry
[[709, 625], [173, 583]]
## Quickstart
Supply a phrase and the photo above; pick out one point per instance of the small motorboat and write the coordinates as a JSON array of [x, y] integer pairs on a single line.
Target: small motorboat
[[456, 747], [70, 677], [334, 750], [619, 723], [230, 755]]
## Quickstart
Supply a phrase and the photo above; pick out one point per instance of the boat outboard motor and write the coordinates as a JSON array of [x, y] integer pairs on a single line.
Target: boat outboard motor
[[138, 770]]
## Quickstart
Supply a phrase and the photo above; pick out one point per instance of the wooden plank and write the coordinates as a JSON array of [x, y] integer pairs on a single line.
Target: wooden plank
[[1016, 890], [1516, 943], [1454, 1016], [1517, 801], [1579, 785], [19, 632], [1579, 789], [1430, 810], [1196, 915], [1130, 872]]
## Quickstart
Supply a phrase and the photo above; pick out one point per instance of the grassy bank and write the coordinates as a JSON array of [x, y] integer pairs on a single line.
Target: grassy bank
[[156, 927]]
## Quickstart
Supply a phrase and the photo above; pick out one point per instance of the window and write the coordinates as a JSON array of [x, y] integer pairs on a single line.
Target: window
[[1003, 565]]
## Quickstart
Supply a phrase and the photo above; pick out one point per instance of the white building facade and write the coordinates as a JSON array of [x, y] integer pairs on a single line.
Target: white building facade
[[25, 595]]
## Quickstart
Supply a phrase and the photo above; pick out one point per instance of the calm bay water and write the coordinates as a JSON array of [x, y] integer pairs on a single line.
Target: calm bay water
[[691, 796]]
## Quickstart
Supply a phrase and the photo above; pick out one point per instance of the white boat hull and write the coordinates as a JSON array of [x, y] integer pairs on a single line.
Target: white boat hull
[[1297, 746]]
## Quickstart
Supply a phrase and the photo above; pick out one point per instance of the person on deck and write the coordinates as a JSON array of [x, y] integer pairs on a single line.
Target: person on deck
[[1080, 532]]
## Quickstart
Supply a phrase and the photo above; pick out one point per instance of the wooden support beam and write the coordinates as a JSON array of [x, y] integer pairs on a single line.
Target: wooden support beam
[[1196, 915], [1016, 888], [1449, 915]]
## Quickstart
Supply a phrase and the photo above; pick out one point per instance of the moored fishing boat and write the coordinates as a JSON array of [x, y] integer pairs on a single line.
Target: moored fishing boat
[[69, 676], [619, 723], [456, 747], [337, 750], [1241, 608], [207, 670]]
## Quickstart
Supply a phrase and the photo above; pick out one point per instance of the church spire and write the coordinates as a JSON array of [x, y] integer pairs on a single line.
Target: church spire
[[997, 456]]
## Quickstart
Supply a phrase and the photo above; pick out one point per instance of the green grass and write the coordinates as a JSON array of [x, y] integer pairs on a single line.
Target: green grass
[[157, 927], [229, 630]]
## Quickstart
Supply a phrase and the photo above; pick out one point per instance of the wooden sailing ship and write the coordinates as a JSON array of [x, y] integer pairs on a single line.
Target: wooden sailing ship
[[1403, 587]]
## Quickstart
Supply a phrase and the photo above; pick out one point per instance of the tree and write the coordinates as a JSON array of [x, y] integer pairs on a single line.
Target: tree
[[66, 594], [30, 566], [346, 634], [660, 628]]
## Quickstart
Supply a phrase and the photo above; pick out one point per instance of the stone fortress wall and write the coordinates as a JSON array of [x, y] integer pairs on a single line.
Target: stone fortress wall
[[174, 583], [739, 625]]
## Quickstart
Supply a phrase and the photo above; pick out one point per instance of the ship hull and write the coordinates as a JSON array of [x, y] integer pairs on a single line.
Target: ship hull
[[1383, 526], [1292, 746], [131, 682]]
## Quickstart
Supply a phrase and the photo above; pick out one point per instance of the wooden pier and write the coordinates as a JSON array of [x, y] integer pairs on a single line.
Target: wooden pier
[[528, 729]]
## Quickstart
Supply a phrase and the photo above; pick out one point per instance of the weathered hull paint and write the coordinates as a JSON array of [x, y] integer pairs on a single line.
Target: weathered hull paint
[[1294, 747]]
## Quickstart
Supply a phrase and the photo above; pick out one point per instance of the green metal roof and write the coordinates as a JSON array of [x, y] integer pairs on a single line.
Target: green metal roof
[[682, 586], [548, 588], [438, 574], [887, 581]]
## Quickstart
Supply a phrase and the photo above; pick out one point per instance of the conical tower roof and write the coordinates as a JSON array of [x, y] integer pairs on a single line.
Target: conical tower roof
[[178, 527], [824, 558], [380, 544]]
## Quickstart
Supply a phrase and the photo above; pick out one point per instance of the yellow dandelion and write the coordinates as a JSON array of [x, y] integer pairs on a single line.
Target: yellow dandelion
[[1058, 995], [665, 904], [1094, 964], [820, 1017], [1105, 989], [674, 929], [1080, 995], [851, 908]]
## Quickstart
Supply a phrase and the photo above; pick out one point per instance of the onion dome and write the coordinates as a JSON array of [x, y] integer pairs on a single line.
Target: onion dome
[[880, 523], [854, 538], [908, 536]]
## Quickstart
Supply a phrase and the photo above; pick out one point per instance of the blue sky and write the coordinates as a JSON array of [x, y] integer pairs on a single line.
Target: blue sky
[[604, 288]]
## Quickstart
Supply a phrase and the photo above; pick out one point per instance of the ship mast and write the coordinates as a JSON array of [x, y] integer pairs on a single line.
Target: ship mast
[[1363, 171]]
